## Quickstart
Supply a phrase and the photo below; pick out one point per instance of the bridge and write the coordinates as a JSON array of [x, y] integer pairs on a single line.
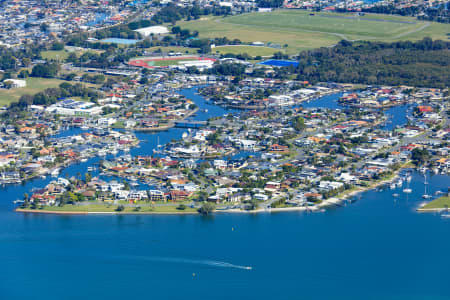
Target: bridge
[[189, 124]]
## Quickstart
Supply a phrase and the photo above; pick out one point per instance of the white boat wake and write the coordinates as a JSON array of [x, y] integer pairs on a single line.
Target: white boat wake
[[212, 263]]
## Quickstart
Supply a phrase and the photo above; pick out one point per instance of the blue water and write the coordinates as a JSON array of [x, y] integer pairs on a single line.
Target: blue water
[[328, 101], [397, 116], [375, 248], [120, 41]]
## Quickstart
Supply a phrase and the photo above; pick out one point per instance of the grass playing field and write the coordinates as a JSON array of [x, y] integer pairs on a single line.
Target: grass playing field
[[163, 61], [250, 50], [55, 54], [301, 31], [34, 85], [183, 50]]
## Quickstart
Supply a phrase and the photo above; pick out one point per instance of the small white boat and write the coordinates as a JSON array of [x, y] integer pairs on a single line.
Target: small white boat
[[84, 127], [84, 159], [445, 216], [408, 178], [407, 191], [425, 196], [395, 195], [54, 172], [392, 186], [90, 169]]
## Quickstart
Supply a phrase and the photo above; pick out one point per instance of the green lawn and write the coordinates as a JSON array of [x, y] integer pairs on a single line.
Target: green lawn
[[250, 50], [34, 85], [184, 50], [441, 202], [55, 55], [112, 208], [164, 63], [301, 31]]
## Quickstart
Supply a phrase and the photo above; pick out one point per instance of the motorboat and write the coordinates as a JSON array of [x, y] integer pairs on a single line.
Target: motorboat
[[55, 172]]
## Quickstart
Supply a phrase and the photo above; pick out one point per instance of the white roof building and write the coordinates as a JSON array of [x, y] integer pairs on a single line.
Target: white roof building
[[147, 31]]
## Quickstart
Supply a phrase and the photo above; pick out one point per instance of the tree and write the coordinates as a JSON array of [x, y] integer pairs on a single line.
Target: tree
[[207, 208], [88, 177], [120, 208], [420, 156], [298, 123]]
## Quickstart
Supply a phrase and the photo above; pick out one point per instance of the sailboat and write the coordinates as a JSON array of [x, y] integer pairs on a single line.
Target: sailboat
[[425, 195], [157, 150], [407, 190]]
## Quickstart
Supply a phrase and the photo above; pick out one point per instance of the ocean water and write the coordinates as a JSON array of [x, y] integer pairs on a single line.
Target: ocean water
[[375, 248]]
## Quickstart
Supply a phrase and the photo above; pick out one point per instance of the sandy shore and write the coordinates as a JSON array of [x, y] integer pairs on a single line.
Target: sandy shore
[[43, 211]]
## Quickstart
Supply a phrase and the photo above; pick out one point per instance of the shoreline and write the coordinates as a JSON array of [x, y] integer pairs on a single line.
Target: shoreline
[[326, 203]]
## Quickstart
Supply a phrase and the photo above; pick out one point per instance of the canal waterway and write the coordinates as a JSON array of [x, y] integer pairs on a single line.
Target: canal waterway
[[376, 248]]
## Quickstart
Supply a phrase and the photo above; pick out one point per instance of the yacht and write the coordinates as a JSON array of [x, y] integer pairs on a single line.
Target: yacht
[[55, 172], [425, 183]]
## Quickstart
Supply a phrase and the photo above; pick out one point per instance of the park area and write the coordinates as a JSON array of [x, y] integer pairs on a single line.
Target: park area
[[163, 62], [302, 30], [439, 203], [34, 85], [250, 50]]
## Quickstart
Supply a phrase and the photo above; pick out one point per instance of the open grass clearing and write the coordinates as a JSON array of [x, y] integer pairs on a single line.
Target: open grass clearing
[[441, 202], [302, 31], [250, 50], [34, 86]]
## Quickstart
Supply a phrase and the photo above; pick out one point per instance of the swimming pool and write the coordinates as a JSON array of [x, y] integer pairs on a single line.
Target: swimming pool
[[279, 63]]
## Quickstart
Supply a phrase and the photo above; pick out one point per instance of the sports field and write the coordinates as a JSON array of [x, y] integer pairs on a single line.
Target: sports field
[[163, 62], [34, 86], [250, 50], [303, 30]]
